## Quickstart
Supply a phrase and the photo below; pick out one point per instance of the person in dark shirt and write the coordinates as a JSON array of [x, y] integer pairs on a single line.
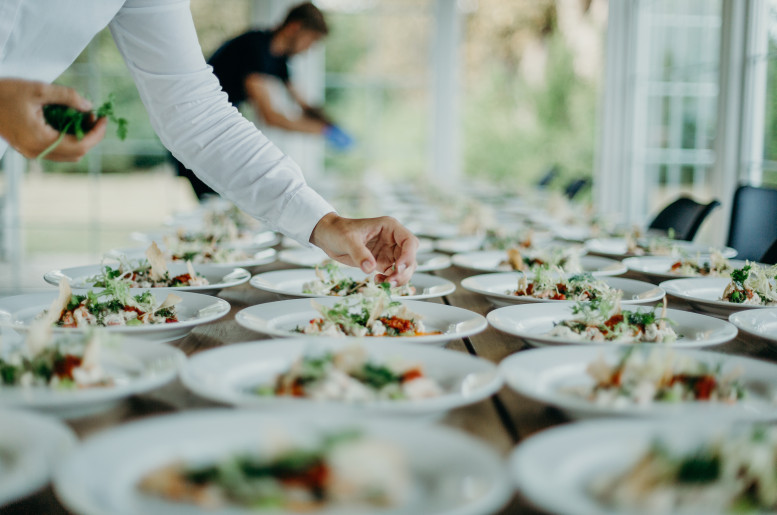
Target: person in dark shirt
[[245, 64]]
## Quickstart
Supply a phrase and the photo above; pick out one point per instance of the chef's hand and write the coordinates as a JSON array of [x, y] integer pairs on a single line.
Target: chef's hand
[[372, 244], [23, 126]]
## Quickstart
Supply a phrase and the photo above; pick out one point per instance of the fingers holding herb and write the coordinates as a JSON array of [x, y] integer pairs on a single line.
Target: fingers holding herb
[[74, 122]]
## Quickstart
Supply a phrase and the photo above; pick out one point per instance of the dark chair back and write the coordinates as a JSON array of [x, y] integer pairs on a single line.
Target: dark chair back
[[685, 216], [770, 256], [576, 186], [753, 221]]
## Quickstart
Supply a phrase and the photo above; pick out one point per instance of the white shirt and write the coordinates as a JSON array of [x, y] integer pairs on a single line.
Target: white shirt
[[39, 39]]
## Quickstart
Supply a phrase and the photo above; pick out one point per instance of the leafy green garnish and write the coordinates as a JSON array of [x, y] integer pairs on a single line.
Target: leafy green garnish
[[377, 376], [69, 120], [702, 467], [740, 276]]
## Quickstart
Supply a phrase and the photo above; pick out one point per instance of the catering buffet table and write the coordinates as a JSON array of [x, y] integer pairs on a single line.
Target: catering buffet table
[[502, 421]]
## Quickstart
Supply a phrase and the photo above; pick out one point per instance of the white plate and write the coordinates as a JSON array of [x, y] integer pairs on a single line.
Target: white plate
[[533, 321], [281, 318], [491, 261], [618, 247], [312, 257], [495, 287], [658, 267], [218, 277], [36, 444], [194, 309], [452, 473], [289, 283], [434, 230], [258, 257], [259, 239], [227, 374], [555, 469], [136, 366], [758, 322], [462, 244], [544, 374], [703, 293]]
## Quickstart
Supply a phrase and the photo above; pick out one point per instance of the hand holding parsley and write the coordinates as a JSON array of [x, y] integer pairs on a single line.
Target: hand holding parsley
[[24, 127], [69, 120]]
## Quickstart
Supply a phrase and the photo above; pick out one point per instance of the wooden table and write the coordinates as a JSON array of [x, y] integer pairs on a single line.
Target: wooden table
[[502, 421]]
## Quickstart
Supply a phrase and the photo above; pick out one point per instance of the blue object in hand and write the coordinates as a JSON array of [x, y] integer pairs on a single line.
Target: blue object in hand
[[338, 138]]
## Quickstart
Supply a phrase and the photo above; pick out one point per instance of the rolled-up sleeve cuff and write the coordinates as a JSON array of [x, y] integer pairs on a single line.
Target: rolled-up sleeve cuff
[[301, 214]]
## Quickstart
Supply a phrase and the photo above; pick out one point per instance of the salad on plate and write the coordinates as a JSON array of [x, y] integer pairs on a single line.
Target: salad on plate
[[149, 273], [348, 375], [359, 315], [716, 265], [642, 378], [752, 285], [330, 474], [736, 473], [551, 283], [603, 319], [61, 363], [112, 306], [331, 281], [528, 260]]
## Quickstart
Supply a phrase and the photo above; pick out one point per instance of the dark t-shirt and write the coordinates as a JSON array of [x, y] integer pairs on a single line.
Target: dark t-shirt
[[246, 54]]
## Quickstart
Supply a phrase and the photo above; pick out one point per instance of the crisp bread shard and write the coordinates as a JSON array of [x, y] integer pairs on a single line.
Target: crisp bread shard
[[157, 260], [60, 303]]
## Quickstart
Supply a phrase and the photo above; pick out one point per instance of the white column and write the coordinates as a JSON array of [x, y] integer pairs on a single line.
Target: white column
[[445, 85], [739, 137], [618, 170]]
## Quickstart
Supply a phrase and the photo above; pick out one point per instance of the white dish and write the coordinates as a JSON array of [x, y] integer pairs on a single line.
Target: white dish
[[459, 244], [543, 374], [452, 473], [495, 287], [462, 244], [289, 283], [493, 261], [218, 277], [532, 322], [618, 247], [35, 444], [555, 469], [433, 229], [259, 239], [757, 322], [227, 374], [312, 257], [136, 366], [280, 318], [658, 267], [703, 293], [193, 310], [258, 256]]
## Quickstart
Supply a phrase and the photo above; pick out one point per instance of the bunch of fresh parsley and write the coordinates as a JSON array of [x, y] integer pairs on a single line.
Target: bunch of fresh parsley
[[69, 120]]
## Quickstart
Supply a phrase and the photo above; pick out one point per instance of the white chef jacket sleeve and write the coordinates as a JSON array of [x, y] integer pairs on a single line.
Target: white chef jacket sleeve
[[196, 122]]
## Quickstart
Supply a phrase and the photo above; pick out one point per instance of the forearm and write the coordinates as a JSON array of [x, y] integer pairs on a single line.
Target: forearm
[[194, 119]]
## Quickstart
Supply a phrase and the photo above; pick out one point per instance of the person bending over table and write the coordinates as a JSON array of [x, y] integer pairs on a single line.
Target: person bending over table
[[193, 117], [246, 64]]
